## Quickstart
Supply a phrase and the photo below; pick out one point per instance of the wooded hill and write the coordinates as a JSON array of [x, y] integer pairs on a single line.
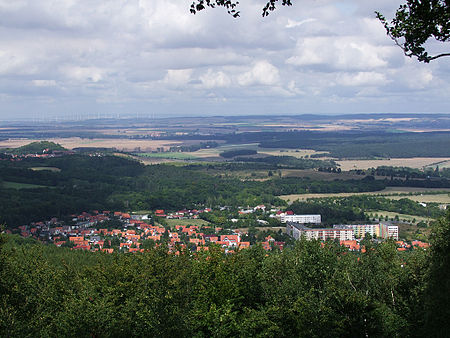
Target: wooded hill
[[85, 183]]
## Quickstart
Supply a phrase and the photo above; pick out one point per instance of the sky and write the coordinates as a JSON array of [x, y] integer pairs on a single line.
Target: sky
[[72, 58]]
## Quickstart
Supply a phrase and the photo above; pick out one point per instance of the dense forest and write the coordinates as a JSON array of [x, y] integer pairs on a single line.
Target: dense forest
[[308, 290], [335, 210], [354, 144], [75, 183], [83, 183]]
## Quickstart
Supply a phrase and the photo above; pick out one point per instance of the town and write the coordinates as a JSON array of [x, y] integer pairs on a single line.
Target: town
[[110, 232]]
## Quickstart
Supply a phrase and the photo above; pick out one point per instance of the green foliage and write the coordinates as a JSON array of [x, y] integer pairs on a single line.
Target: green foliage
[[237, 152], [356, 144], [111, 183], [415, 23], [438, 295], [37, 148], [289, 162], [335, 210], [307, 291]]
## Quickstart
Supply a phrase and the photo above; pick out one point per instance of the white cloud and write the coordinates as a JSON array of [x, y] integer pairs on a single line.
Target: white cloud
[[104, 52], [293, 23], [177, 77], [215, 79], [362, 79], [44, 83], [262, 73], [342, 53], [84, 74]]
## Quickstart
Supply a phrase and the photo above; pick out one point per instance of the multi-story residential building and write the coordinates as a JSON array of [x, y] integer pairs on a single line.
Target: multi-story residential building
[[380, 230], [297, 231], [303, 219]]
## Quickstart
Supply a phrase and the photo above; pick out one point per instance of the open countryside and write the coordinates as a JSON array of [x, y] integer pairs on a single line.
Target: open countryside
[[228, 169]]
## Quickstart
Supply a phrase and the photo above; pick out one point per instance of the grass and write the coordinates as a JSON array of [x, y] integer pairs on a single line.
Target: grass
[[276, 229], [389, 191], [53, 169], [319, 175], [176, 156], [198, 222], [390, 214], [438, 198], [414, 162], [16, 185], [406, 229]]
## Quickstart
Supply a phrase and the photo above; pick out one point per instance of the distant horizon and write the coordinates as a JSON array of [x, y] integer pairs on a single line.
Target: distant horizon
[[70, 60], [149, 116]]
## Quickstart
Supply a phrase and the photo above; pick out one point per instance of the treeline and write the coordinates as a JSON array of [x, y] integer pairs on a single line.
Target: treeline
[[194, 147], [354, 144], [111, 183], [291, 162], [403, 172], [237, 152], [340, 210], [305, 291], [37, 148]]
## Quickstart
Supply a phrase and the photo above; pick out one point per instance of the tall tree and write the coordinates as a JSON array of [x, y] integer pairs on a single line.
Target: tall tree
[[415, 23]]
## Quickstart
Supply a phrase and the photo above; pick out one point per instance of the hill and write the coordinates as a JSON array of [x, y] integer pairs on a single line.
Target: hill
[[41, 147]]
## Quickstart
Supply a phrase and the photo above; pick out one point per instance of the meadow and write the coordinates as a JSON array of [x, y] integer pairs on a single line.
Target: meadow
[[16, 185], [389, 191], [198, 222], [424, 198], [52, 169], [414, 162]]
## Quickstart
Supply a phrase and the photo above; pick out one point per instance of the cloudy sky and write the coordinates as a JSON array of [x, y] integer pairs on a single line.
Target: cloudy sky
[[152, 57]]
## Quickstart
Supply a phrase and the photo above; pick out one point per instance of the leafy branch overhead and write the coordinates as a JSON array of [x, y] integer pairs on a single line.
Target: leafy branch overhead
[[417, 21], [199, 5]]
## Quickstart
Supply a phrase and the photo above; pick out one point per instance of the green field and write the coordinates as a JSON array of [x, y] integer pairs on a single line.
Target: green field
[[16, 185], [424, 198], [53, 169], [174, 222], [405, 217], [176, 156], [406, 230], [398, 192]]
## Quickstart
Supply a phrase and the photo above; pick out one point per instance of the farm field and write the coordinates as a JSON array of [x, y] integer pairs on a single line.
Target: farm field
[[214, 152], [75, 142], [298, 153], [440, 198], [176, 156], [414, 162], [388, 191]]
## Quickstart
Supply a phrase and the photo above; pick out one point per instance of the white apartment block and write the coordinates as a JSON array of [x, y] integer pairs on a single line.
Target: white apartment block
[[380, 230], [303, 219], [297, 231], [392, 231]]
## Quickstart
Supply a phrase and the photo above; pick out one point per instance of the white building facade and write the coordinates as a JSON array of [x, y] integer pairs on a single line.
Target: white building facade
[[303, 219], [297, 231]]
